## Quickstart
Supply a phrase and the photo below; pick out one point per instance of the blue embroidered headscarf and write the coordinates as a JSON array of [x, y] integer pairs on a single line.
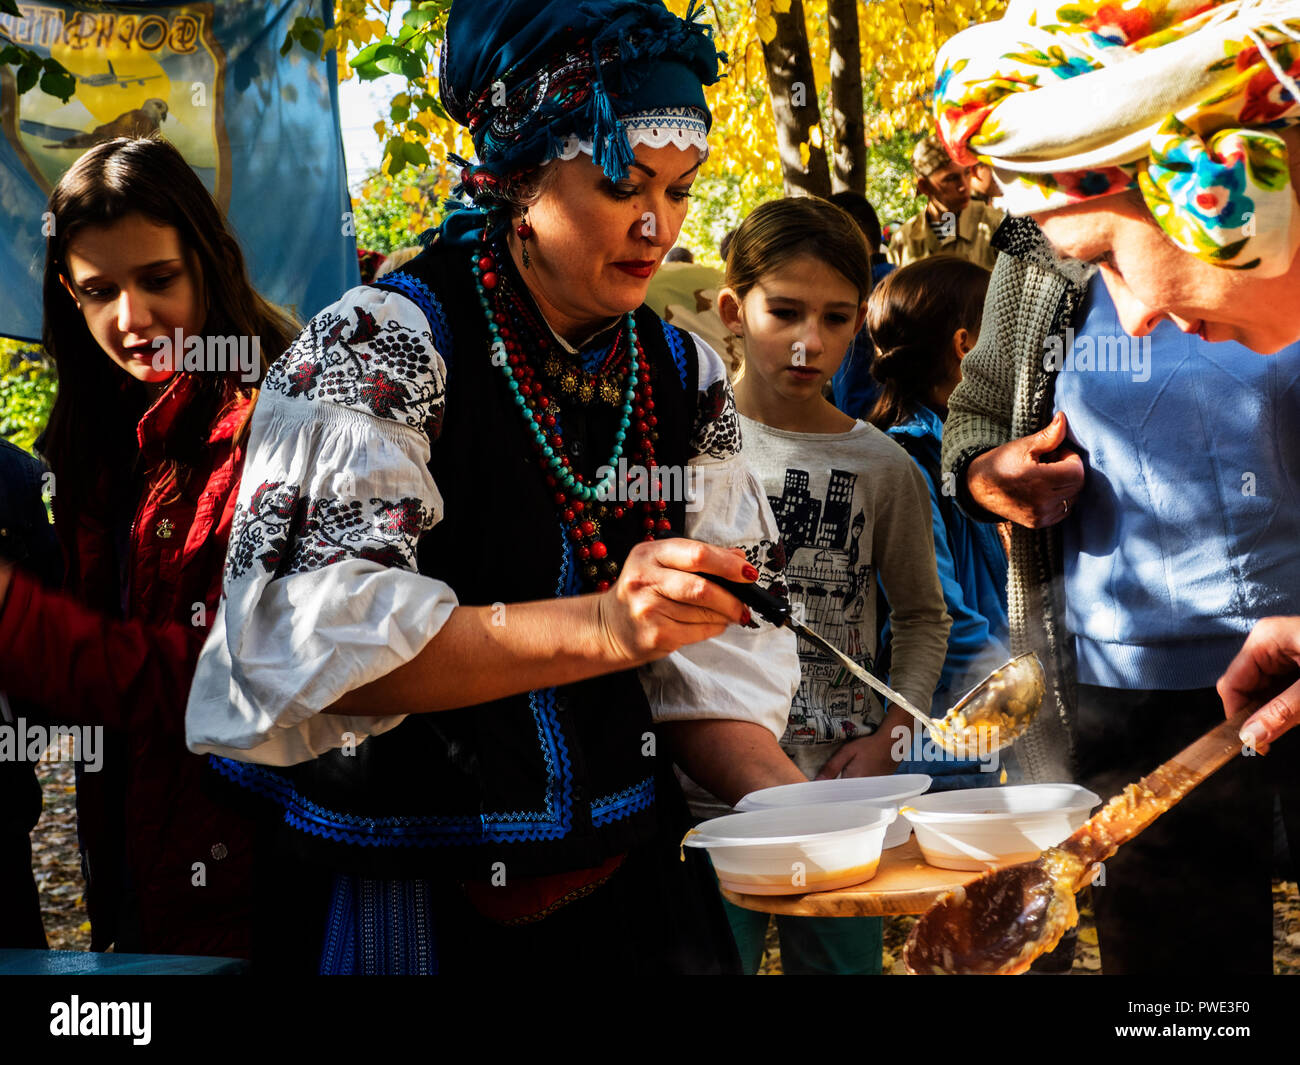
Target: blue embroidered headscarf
[[536, 80]]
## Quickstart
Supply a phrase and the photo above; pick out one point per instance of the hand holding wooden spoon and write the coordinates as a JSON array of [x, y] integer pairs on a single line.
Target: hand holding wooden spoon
[[1004, 920], [1264, 679]]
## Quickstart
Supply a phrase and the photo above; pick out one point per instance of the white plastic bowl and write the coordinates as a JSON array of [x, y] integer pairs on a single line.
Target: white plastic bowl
[[873, 791], [795, 849], [979, 827]]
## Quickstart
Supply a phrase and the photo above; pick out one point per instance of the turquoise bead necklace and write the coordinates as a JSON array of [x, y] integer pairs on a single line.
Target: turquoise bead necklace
[[583, 506]]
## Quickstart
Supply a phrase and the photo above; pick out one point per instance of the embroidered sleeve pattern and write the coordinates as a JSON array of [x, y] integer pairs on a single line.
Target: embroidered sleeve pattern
[[287, 534], [379, 530], [717, 427], [322, 590], [370, 352], [260, 532], [768, 557], [386, 367]]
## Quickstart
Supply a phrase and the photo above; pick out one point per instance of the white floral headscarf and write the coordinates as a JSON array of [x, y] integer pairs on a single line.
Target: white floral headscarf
[[1183, 99]]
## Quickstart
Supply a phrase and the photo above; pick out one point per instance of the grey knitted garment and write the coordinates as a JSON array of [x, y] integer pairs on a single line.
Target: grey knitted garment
[[1005, 394]]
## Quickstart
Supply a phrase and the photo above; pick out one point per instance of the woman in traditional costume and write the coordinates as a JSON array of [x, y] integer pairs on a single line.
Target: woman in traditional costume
[[452, 504]]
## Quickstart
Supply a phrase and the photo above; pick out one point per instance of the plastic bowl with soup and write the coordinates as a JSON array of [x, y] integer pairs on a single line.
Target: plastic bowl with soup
[[982, 827], [796, 849]]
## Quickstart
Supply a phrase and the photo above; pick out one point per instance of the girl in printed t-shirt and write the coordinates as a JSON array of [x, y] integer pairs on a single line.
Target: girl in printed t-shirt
[[851, 506]]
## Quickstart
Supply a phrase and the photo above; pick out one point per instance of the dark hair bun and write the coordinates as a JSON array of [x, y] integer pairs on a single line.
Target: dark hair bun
[[889, 361]]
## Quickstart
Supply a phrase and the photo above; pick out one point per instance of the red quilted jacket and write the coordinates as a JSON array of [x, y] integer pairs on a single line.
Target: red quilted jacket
[[185, 884]]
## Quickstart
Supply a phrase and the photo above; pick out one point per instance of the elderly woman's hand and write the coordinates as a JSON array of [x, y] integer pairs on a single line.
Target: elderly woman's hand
[[1265, 678], [1032, 481], [660, 602]]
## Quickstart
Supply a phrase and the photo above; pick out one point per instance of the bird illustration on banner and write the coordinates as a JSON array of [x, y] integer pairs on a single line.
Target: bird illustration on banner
[[138, 122]]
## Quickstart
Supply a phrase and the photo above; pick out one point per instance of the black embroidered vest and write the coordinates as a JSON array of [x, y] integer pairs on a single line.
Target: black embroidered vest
[[549, 780]]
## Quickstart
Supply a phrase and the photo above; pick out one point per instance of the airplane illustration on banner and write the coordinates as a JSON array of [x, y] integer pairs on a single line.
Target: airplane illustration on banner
[[112, 77]]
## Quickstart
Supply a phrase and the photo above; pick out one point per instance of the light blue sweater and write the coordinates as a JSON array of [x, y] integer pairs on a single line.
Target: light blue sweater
[[1188, 528]]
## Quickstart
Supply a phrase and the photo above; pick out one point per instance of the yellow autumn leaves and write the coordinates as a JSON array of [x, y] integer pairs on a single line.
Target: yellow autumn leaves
[[764, 23], [899, 40]]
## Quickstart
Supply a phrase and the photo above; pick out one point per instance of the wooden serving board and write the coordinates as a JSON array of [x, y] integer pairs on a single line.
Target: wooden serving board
[[903, 883]]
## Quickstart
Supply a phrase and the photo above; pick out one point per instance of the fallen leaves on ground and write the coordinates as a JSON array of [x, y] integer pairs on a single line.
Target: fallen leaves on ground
[[57, 868], [56, 863]]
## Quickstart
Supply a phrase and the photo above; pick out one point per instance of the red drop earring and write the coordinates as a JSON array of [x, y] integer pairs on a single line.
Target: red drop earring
[[523, 231]]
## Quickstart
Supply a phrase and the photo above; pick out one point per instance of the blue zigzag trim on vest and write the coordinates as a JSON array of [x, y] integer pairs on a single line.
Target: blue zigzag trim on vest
[[422, 296], [426, 831], [627, 801], [553, 822], [568, 570], [677, 341]]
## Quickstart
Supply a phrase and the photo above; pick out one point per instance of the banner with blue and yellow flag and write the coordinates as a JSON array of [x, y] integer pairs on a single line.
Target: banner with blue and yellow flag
[[260, 129]]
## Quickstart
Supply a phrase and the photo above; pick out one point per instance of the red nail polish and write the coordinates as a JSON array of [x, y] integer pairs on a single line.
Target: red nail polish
[[748, 619], [750, 573]]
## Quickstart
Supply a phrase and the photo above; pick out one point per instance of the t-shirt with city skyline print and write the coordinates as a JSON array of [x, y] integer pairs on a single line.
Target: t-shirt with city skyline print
[[853, 508]]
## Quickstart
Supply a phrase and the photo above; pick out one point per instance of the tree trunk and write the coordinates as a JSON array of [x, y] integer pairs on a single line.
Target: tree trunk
[[794, 104], [848, 131]]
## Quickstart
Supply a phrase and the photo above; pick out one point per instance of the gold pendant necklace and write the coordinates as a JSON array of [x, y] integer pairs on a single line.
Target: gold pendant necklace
[[571, 382]]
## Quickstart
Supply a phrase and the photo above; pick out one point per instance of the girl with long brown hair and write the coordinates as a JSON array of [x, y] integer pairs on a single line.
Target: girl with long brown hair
[[160, 341]]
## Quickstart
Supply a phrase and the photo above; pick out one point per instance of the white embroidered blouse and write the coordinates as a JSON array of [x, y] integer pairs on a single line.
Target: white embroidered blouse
[[321, 590]]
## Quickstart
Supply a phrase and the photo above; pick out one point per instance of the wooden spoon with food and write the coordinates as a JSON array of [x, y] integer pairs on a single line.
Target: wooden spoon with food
[[1004, 920]]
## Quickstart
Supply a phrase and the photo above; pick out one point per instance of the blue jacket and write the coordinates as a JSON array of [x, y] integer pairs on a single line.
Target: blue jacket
[[26, 536], [972, 570]]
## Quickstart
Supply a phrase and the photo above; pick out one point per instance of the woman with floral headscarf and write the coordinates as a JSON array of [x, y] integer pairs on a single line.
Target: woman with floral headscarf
[[1175, 175], [1173, 172], [484, 486]]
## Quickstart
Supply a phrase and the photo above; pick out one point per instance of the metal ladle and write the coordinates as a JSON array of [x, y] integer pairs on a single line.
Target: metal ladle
[[1004, 920], [991, 716]]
